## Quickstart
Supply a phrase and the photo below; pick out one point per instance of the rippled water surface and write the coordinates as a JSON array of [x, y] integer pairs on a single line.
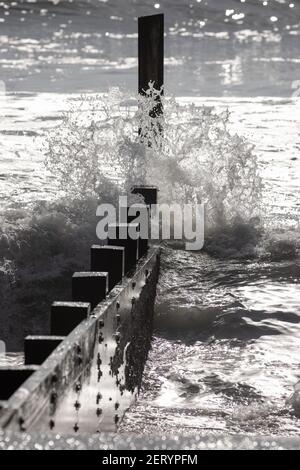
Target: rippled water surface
[[213, 47], [226, 351]]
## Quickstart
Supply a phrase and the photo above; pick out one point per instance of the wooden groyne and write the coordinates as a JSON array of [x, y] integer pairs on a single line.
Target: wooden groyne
[[98, 345], [87, 371]]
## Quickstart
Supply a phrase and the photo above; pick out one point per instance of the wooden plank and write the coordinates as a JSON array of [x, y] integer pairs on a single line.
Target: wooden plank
[[151, 52], [119, 323]]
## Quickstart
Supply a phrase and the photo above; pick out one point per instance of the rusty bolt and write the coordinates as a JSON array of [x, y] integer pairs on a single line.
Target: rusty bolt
[[21, 424], [99, 361], [54, 379], [77, 405], [99, 398], [101, 338], [53, 398]]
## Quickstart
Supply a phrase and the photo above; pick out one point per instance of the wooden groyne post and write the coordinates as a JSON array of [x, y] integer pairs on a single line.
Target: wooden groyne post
[[151, 52]]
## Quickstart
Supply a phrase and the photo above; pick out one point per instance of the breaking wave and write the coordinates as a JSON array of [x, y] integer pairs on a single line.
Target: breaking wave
[[95, 155]]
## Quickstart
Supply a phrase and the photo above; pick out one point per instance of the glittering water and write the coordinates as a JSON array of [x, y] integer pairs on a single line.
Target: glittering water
[[226, 350], [225, 355], [213, 47]]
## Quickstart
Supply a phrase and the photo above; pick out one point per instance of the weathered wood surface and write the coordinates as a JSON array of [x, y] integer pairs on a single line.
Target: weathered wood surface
[[121, 325]]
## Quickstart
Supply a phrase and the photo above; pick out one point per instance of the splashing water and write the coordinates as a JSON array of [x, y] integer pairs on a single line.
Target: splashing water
[[96, 154], [187, 151], [202, 312], [98, 151], [37, 248]]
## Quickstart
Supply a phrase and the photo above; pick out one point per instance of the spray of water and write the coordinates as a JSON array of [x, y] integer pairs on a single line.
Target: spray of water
[[187, 151], [104, 145], [40, 249], [110, 142]]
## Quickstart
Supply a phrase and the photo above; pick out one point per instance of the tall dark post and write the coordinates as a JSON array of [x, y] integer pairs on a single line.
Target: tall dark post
[[151, 52]]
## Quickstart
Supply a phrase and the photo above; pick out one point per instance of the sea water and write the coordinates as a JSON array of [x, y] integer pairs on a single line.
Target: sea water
[[225, 355]]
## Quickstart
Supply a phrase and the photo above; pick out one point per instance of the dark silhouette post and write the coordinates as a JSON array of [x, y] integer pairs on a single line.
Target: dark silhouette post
[[151, 52], [66, 316], [38, 348], [110, 259], [151, 69]]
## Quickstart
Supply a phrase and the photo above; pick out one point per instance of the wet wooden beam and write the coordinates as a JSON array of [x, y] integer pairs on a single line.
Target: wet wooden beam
[[110, 259], [11, 378], [110, 327], [116, 237], [89, 287], [151, 51], [65, 316], [38, 348], [149, 193]]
